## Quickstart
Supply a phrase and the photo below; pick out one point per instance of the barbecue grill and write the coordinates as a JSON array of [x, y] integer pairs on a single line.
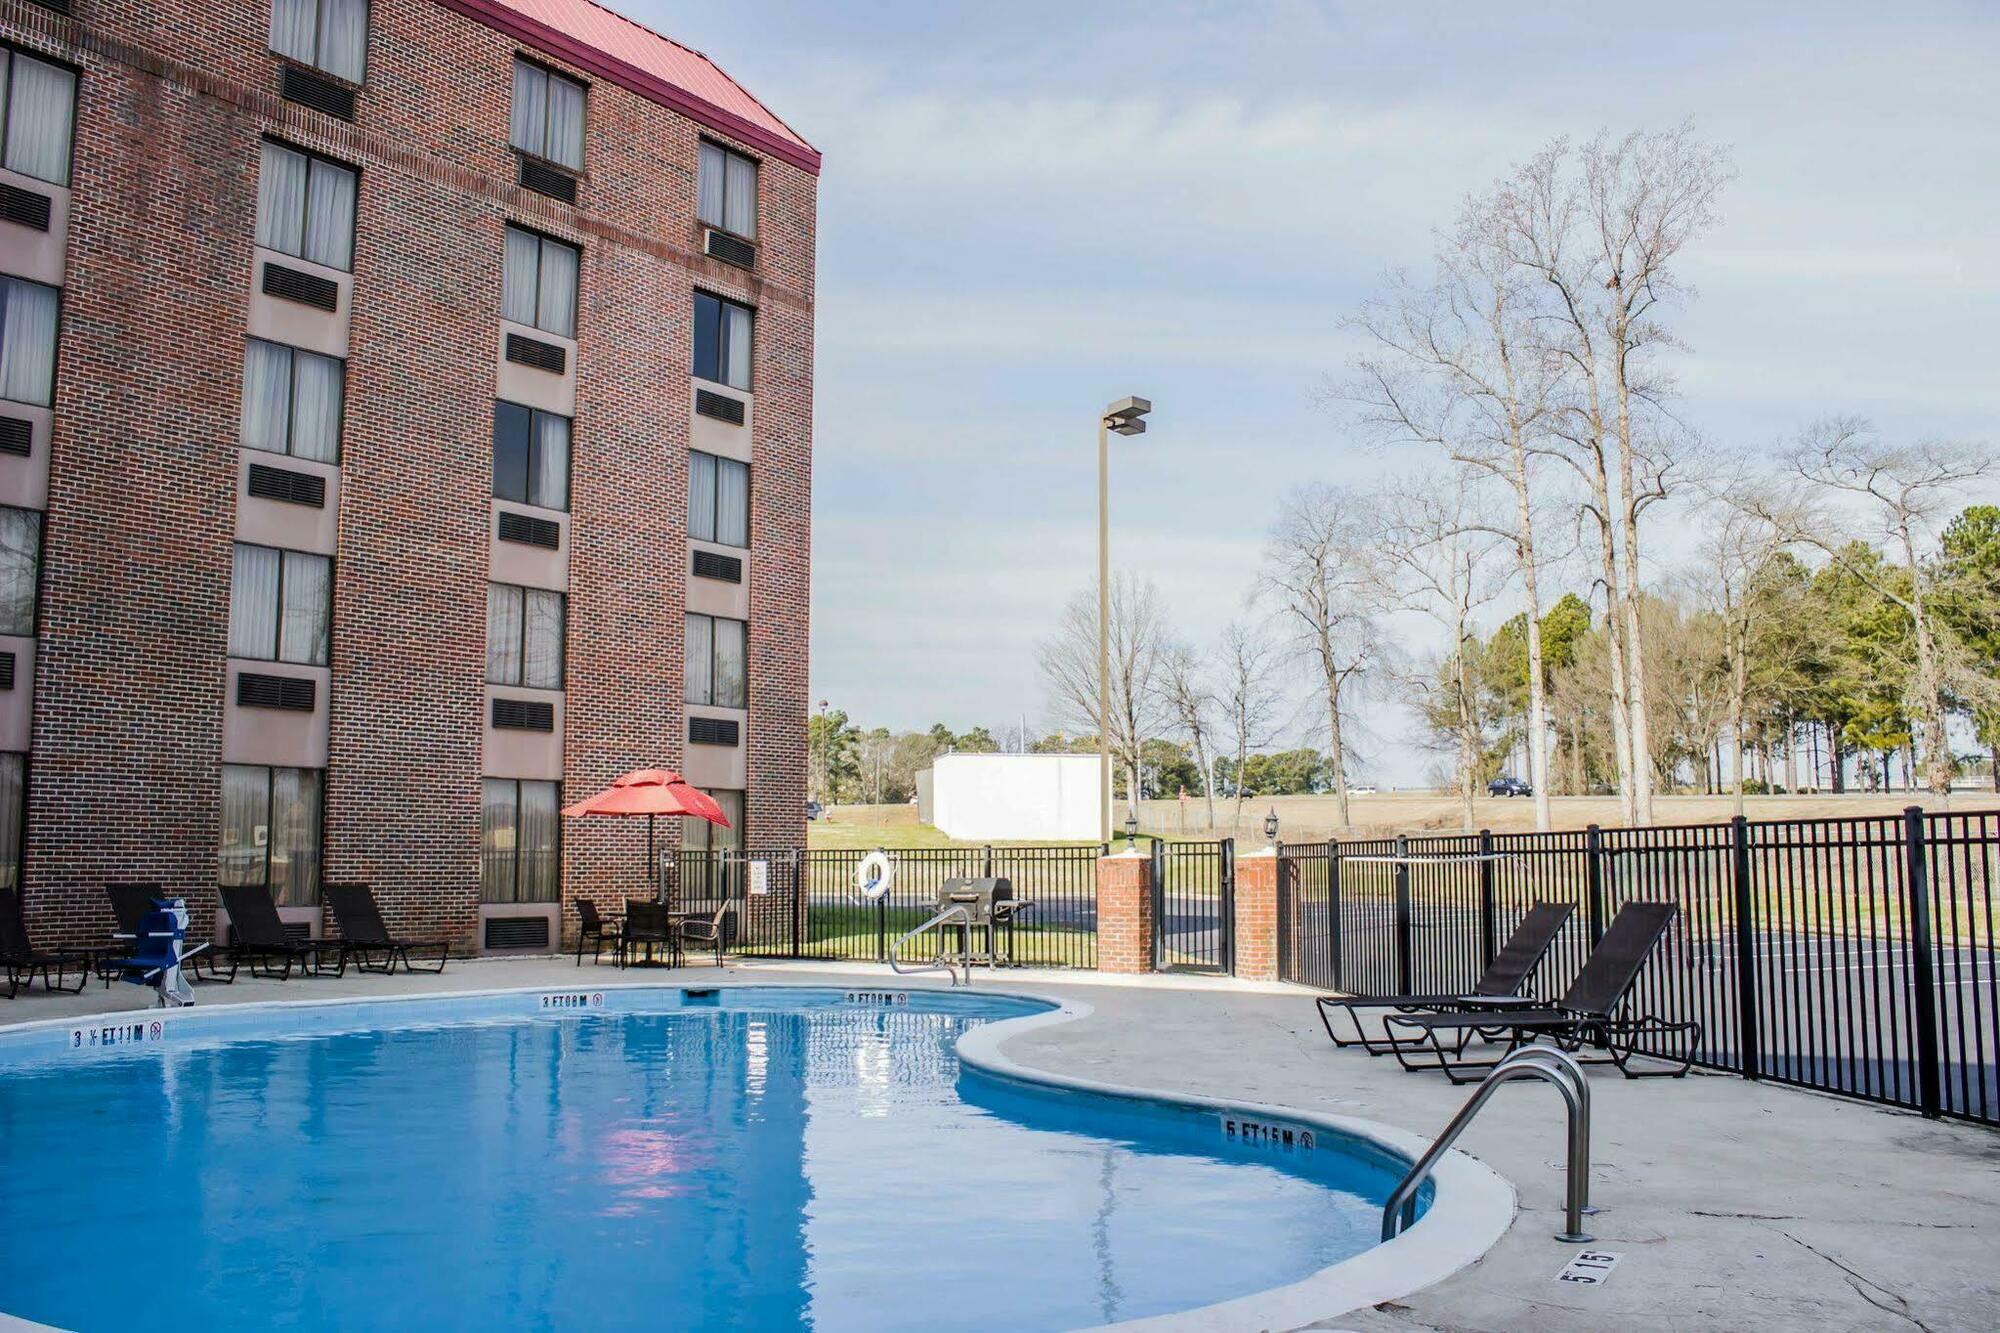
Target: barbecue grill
[[989, 905]]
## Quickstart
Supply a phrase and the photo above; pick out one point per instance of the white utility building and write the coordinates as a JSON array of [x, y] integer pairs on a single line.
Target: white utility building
[[1012, 797]]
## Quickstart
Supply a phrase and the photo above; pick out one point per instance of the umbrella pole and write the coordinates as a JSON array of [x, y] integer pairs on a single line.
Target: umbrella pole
[[652, 871]]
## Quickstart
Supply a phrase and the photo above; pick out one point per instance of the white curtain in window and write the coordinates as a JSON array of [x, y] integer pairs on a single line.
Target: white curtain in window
[[13, 790], [281, 200], [558, 282], [329, 216], [701, 496], [730, 690], [732, 503], [517, 297], [27, 341], [731, 838], [531, 108], [738, 345], [740, 201], [503, 634], [551, 480], [709, 185], [20, 565], [295, 807], [294, 28], [304, 630], [540, 835], [41, 105], [697, 661], [246, 824], [343, 38], [565, 141], [542, 647], [253, 603], [267, 395], [497, 804], [316, 398]]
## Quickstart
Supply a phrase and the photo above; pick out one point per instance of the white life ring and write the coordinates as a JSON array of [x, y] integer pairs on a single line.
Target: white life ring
[[873, 875]]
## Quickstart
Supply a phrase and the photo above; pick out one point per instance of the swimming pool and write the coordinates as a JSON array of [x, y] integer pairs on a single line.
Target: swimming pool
[[747, 1157]]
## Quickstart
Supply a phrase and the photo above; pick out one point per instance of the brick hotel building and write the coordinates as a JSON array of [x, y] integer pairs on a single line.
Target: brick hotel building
[[405, 428]]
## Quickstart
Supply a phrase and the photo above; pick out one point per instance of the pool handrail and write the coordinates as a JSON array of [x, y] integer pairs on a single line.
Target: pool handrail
[[942, 962], [1535, 1061]]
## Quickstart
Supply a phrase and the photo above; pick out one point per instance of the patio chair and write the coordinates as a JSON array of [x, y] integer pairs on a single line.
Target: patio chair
[[257, 935], [363, 934], [1587, 1014], [649, 924], [22, 960], [130, 904], [591, 929], [705, 932], [1498, 987]]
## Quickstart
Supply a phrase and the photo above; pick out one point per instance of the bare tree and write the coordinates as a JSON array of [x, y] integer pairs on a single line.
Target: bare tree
[[1316, 570], [1249, 698], [1906, 493], [1749, 528], [1190, 697], [1602, 226], [1458, 365], [1434, 550], [1069, 671]]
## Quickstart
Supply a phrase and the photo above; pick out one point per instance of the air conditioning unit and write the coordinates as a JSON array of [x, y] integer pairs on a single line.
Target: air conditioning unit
[[731, 249]]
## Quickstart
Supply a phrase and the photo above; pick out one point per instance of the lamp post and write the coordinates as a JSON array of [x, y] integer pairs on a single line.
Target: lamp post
[[1127, 416], [1271, 827], [1131, 832]]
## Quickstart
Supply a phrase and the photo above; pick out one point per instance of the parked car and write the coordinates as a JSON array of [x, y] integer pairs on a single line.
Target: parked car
[[1509, 787], [814, 810], [1363, 790]]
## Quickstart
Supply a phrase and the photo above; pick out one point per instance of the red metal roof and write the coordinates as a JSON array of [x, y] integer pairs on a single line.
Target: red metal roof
[[613, 47]]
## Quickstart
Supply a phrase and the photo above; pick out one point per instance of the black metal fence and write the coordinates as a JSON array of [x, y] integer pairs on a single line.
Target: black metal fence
[[1194, 906], [1854, 956], [803, 904]]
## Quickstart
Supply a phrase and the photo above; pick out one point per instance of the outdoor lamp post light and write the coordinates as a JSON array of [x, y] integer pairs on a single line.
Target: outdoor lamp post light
[[1131, 832], [1127, 416], [1271, 826]]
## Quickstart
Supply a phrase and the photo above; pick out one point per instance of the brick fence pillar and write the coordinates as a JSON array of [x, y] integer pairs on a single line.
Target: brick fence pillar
[[1256, 924], [1125, 913]]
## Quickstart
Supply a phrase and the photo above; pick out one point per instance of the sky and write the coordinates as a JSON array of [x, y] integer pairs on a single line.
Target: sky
[[1032, 209]]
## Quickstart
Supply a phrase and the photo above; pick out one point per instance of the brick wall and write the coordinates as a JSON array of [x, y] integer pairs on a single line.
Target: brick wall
[[1256, 924], [124, 770], [1125, 914]]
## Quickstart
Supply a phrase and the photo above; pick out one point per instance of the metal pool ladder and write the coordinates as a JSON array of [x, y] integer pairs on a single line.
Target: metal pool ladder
[[1542, 1062], [941, 963]]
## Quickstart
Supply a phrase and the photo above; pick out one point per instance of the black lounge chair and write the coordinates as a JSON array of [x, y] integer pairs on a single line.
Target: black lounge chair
[[591, 929], [130, 904], [1587, 1014], [363, 934], [257, 935], [22, 960], [705, 932], [1498, 987]]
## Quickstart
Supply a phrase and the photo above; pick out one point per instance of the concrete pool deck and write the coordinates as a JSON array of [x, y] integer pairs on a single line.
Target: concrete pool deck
[[1731, 1204]]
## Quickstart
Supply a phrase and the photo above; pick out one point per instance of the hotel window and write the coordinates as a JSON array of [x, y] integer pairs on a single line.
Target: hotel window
[[27, 341], [547, 120], [530, 456], [327, 34], [40, 110], [540, 283], [13, 815], [292, 401], [20, 569], [305, 207], [281, 605], [722, 340], [524, 637], [698, 835], [270, 831], [520, 841], [727, 191], [715, 662], [718, 499]]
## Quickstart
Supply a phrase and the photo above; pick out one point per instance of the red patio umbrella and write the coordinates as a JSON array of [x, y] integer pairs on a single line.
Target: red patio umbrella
[[651, 792]]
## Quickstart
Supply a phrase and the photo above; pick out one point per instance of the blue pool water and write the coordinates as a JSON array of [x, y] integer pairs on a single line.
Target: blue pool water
[[761, 1159]]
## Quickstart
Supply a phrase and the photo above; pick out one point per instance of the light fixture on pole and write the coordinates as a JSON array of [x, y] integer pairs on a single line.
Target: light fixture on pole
[[1127, 416], [1131, 833], [1271, 826]]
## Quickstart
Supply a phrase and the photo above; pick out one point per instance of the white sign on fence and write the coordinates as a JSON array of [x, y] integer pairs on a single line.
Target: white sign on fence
[[1589, 1268], [760, 877]]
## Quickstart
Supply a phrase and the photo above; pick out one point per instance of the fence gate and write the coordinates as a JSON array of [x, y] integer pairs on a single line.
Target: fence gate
[[1194, 906]]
